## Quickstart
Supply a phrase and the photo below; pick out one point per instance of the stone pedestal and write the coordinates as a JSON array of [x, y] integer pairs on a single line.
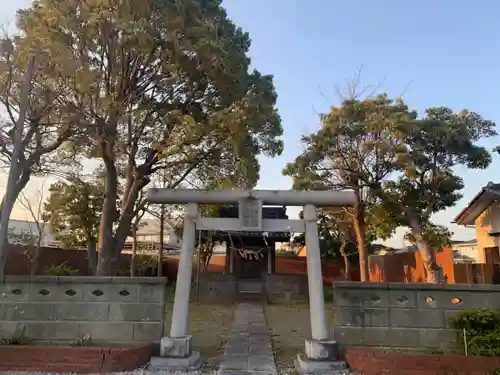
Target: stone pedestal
[[322, 350], [321, 357], [176, 355]]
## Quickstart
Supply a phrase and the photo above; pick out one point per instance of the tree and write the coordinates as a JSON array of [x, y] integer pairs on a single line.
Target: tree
[[48, 124], [73, 210], [161, 85], [32, 102], [336, 235], [437, 236], [434, 145], [405, 163], [35, 209], [344, 227], [354, 149]]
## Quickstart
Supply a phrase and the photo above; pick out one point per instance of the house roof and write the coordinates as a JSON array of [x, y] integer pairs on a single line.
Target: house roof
[[464, 243], [488, 195]]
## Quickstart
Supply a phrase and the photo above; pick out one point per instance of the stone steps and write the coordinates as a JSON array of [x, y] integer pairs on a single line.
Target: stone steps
[[251, 290]]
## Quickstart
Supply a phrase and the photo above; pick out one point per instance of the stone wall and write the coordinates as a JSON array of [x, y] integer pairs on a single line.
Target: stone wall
[[403, 315], [220, 287], [216, 287], [286, 287], [109, 309]]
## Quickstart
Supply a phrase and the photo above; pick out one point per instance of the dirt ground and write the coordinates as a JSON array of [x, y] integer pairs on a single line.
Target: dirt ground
[[210, 325], [289, 325]]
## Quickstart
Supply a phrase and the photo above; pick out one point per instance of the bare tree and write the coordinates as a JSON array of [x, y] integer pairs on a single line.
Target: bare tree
[[35, 209]]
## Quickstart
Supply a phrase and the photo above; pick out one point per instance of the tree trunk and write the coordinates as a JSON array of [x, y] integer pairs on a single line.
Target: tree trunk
[[359, 228], [347, 266], [430, 265], [423, 247], [162, 230], [208, 250], [134, 250], [125, 222], [106, 265], [35, 260], [91, 255], [23, 179]]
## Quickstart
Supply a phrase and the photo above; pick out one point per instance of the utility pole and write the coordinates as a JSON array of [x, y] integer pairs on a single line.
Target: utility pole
[[14, 165]]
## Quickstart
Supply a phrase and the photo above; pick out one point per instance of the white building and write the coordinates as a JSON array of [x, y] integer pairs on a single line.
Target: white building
[[149, 233], [466, 251], [27, 232]]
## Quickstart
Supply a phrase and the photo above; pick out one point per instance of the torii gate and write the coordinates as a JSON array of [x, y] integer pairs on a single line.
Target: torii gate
[[176, 349]]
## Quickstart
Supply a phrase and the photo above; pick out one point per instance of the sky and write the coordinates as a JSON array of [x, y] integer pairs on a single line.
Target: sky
[[433, 53]]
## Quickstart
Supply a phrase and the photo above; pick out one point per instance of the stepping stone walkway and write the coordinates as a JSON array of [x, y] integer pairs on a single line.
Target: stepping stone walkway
[[248, 349]]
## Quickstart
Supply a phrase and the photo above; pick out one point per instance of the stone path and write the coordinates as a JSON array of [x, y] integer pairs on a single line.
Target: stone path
[[248, 349]]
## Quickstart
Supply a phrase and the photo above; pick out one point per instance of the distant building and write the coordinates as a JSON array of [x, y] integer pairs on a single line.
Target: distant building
[[27, 232], [148, 236], [483, 212], [465, 251]]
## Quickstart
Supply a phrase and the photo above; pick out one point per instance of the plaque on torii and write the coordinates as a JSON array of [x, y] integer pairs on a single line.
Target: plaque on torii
[[250, 214]]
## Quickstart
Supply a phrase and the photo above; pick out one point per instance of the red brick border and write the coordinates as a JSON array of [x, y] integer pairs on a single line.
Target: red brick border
[[73, 359], [373, 362]]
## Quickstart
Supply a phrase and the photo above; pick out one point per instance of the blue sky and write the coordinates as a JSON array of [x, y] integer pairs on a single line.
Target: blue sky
[[436, 52]]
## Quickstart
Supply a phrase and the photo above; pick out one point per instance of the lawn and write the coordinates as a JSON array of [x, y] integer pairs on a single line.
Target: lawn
[[289, 325], [209, 324]]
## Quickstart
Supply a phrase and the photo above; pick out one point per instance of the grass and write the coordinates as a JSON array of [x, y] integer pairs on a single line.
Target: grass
[[209, 324], [289, 325]]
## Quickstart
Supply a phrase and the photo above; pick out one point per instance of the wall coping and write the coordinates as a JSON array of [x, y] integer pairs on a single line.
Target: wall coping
[[86, 280], [415, 286]]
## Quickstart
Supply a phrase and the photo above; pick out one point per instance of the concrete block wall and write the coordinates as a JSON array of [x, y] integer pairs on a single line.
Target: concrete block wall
[[109, 309], [403, 315], [216, 287], [286, 287]]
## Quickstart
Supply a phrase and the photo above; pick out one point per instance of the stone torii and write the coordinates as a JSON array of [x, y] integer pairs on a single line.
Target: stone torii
[[175, 351]]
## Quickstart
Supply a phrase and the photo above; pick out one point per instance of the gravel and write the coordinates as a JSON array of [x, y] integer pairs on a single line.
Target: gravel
[[143, 372], [136, 372]]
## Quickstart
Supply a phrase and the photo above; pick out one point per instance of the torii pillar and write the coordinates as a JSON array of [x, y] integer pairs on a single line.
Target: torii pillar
[[321, 353]]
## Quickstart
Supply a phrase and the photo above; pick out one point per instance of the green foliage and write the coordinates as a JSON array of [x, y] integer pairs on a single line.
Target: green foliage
[[178, 69], [355, 146], [437, 236], [403, 164], [434, 145], [74, 209], [482, 327], [155, 85], [60, 270], [353, 149]]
